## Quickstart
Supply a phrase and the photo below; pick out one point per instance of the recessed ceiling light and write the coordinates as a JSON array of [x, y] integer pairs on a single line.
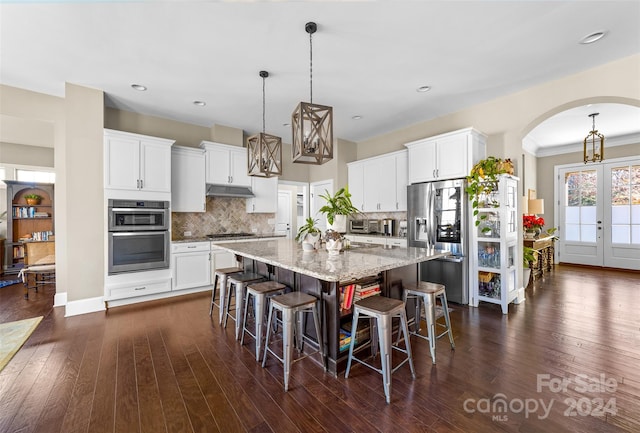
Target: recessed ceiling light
[[593, 37], [139, 87], [199, 103], [357, 117], [423, 89]]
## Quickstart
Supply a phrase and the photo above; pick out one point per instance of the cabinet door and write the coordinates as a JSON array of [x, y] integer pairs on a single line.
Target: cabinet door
[[155, 167], [356, 185], [266, 195], [188, 181], [122, 163], [422, 162], [218, 165], [401, 182], [372, 172], [386, 183], [452, 157], [222, 259], [191, 270], [239, 167]]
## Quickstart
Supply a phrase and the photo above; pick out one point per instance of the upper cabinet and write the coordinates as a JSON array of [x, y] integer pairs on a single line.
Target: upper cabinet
[[266, 195], [446, 156], [379, 184], [136, 162], [225, 164], [188, 179]]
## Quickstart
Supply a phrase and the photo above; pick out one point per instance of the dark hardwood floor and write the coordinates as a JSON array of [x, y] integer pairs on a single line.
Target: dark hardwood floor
[[164, 366]]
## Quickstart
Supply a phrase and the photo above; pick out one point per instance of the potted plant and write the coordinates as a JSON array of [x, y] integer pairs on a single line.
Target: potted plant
[[483, 181], [528, 257], [32, 199], [338, 208], [309, 234]]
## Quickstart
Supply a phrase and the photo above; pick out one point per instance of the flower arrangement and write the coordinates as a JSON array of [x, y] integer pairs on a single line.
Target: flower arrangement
[[532, 222]]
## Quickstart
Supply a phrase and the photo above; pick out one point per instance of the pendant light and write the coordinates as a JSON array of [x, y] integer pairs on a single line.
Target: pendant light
[[312, 124], [593, 143], [265, 150]]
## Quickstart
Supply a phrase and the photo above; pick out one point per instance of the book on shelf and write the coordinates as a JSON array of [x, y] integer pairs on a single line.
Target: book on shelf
[[362, 292], [345, 339], [346, 296]]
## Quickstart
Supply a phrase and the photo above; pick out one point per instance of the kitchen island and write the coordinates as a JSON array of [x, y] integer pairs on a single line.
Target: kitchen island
[[325, 276]]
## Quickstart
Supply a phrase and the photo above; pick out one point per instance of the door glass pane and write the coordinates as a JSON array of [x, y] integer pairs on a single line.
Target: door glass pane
[[625, 197], [580, 205]]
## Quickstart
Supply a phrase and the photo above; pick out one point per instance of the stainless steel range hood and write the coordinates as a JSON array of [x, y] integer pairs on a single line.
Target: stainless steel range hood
[[229, 191]]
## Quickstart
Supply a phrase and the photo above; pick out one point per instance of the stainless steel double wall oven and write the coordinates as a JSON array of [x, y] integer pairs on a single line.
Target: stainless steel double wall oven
[[139, 236]]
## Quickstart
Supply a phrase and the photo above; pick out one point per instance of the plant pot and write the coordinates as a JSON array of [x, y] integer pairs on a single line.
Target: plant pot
[[526, 275], [339, 224], [530, 235], [33, 201], [311, 242]]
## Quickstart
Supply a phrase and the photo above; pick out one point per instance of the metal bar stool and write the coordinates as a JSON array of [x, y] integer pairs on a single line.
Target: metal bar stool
[[427, 293], [261, 292], [221, 276], [383, 310], [239, 281], [291, 305]]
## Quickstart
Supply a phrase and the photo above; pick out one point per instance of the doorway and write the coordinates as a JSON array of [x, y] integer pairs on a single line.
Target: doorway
[[599, 213], [283, 215], [317, 189]]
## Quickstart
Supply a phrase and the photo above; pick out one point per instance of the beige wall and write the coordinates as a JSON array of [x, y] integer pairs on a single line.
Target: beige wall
[[546, 173], [20, 154], [344, 151]]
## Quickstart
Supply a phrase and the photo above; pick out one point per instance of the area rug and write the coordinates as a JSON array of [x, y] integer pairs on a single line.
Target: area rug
[[9, 282], [12, 337]]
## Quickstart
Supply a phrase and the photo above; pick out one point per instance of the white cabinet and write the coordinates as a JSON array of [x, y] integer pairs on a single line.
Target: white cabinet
[[136, 162], [378, 240], [188, 187], [495, 256], [137, 288], [222, 258], [379, 184], [191, 264], [225, 164], [266, 195], [446, 156]]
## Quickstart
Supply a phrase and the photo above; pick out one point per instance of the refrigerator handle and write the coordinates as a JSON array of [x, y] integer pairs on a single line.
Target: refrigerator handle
[[430, 212]]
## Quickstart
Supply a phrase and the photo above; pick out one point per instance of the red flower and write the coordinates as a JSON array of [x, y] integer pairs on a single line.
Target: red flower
[[531, 222]]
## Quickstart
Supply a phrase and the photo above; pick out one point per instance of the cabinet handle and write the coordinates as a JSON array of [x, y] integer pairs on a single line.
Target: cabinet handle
[[140, 288], [191, 246], [434, 173], [141, 184]]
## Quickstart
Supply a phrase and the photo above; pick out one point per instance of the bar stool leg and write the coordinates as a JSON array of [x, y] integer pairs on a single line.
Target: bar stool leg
[[239, 305], [445, 308], [229, 294], [354, 326], [223, 299], [404, 324], [287, 343], [259, 305], [316, 321], [384, 337], [213, 294], [244, 321], [430, 315], [266, 342]]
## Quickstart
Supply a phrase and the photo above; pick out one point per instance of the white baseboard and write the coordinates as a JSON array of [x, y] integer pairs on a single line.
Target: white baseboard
[[165, 295], [84, 306], [60, 299], [520, 299]]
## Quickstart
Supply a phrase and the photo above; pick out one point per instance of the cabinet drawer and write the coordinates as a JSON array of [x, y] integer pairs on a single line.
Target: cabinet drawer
[[190, 247], [397, 242], [140, 289]]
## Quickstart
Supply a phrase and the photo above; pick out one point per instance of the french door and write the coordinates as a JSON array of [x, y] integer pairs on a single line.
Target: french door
[[599, 214]]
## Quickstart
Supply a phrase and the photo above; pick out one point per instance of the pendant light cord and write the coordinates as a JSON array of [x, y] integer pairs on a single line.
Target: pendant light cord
[[263, 105], [311, 67]]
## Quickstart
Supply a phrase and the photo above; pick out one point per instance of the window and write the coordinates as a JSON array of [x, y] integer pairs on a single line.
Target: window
[[35, 176]]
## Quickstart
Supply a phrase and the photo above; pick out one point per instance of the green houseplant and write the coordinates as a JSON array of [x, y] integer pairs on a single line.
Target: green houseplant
[[32, 199], [338, 205], [528, 257], [483, 181], [309, 228]]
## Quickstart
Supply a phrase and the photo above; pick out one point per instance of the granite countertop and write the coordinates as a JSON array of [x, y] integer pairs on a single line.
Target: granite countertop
[[357, 262], [256, 236]]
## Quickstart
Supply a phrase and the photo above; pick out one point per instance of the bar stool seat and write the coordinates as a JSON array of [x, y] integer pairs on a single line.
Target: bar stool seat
[[221, 276], [261, 292], [383, 310], [291, 305], [239, 282], [426, 293]]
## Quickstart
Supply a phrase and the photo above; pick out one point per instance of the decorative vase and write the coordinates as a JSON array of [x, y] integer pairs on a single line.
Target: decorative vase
[[526, 274], [311, 241], [333, 242], [33, 201], [530, 234]]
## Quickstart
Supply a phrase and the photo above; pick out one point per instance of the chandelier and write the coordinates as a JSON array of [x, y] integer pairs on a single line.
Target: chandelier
[[265, 150], [312, 124], [593, 143]]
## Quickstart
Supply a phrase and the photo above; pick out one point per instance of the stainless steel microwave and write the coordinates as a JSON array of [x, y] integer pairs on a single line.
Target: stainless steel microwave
[[364, 226]]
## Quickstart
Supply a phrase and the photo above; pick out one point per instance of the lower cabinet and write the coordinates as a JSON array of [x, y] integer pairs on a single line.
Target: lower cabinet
[[131, 290], [191, 265], [379, 240]]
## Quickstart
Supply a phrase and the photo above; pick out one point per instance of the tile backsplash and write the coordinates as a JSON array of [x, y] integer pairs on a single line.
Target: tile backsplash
[[223, 215]]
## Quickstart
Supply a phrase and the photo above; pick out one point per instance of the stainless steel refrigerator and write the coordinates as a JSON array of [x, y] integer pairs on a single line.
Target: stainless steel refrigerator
[[437, 217]]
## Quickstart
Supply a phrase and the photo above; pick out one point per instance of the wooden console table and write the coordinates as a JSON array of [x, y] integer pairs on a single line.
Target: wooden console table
[[543, 248]]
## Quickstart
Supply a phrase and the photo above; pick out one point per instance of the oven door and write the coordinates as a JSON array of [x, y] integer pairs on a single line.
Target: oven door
[[138, 251], [122, 219]]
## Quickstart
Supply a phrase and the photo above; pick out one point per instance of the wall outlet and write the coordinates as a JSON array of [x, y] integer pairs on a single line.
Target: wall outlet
[[187, 234], [254, 230]]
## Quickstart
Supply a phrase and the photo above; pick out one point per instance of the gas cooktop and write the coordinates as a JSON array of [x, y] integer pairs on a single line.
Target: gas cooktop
[[229, 235]]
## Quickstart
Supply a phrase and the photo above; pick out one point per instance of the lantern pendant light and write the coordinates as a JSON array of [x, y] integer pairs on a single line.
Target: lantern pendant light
[[312, 124], [593, 143], [265, 150]]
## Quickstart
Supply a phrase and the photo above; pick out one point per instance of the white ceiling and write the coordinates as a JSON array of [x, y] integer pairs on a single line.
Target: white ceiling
[[369, 57]]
